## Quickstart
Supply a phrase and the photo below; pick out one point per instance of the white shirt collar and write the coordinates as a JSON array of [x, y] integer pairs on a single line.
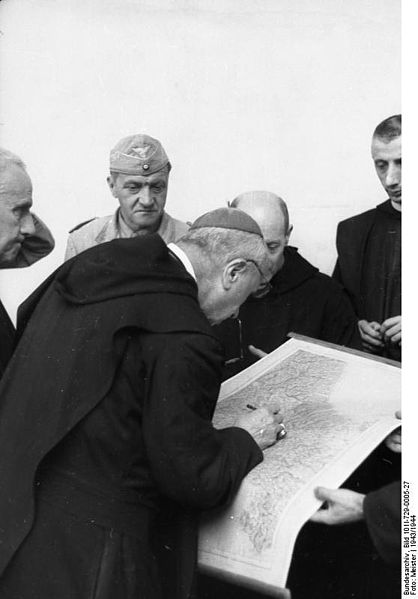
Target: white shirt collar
[[183, 258]]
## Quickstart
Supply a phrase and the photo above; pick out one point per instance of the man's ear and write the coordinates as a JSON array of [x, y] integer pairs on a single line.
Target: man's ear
[[289, 231], [232, 272], [111, 184]]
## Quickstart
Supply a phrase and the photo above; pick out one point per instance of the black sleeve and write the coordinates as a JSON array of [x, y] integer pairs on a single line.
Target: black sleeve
[[336, 273], [191, 461], [337, 270], [7, 338], [340, 321], [382, 512]]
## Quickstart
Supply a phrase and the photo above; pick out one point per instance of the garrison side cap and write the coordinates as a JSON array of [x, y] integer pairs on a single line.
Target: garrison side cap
[[138, 155], [228, 218]]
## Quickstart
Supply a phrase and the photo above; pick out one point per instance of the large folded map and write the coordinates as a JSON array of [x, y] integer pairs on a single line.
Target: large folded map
[[338, 405]]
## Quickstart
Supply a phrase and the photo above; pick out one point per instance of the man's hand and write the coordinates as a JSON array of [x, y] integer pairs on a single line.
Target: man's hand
[[259, 353], [394, 440], [264, 424], [342, 506], [391, 330], [371, 336]]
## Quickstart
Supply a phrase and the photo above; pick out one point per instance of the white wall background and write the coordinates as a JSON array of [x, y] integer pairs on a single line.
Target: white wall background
[[244, 94]]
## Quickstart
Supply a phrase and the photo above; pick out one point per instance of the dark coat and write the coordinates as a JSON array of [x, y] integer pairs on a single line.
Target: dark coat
[[302, 300], [352, 237], [119, 323], [7, 339], [382, 512], [368, 266], [358, 559]]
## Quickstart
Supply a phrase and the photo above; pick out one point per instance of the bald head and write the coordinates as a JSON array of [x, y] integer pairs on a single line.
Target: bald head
[[271, 214], [265, 203]]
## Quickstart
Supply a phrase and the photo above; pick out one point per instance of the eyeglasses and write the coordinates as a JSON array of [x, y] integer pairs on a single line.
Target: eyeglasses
[[265, 285]]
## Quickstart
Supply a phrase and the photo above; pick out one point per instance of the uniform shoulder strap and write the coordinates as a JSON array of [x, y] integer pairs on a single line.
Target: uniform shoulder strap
[[85, 222]]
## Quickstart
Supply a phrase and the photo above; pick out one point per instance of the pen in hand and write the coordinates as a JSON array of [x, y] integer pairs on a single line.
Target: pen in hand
[[282, 433]]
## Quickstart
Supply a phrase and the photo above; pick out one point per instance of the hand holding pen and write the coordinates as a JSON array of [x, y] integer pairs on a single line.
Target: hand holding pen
[[264, 423]]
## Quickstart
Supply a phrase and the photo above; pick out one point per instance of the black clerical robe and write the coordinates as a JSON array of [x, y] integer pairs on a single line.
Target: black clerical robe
[[7, 338], [369, 265], [382, 512], [302, 300], [105, 426]]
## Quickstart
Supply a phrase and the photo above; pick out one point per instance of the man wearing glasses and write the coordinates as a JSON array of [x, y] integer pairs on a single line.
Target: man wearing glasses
[[105, 418]]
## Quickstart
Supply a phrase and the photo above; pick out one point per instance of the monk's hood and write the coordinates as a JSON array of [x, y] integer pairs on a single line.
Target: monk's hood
[[123, 267]]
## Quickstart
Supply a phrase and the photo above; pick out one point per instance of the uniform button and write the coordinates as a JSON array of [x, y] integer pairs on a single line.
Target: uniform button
[[145, 167]]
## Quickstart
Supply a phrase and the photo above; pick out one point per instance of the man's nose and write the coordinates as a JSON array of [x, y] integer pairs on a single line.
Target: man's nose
[[393, 175], [145, 197], [27, 226]]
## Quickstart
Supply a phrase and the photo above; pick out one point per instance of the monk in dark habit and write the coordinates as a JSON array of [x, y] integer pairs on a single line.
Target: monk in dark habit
[[300, 299], [107, 450], [369, 250]]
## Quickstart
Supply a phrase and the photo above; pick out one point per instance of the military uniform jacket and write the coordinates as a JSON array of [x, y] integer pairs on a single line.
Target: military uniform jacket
[[106, 228]]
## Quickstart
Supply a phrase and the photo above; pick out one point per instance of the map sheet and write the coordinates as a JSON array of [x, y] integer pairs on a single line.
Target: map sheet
[[338, 406]]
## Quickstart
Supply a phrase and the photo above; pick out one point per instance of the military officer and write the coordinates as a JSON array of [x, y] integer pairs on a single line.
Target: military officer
[[139, 172]]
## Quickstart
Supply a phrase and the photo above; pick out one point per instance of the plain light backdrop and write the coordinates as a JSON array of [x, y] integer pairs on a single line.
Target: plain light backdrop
[[280, 95]]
